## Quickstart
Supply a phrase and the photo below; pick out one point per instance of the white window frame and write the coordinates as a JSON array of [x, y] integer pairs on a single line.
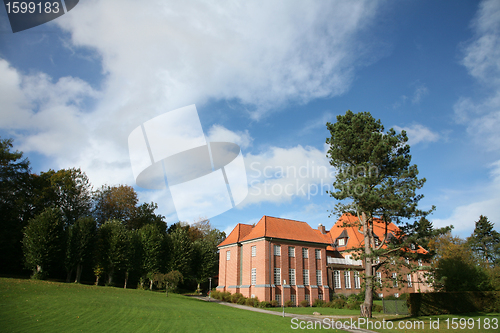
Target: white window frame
[[291, 251], [341, 242], [277, 298], [320, 297], [347, 279], [277, 250], [357, 280], [277, 276], [306, 277], [408, 278], [396, 295], [254, 251], [293, 298], [291, 276], [307, 297], [305, 252], [228, 255], [317, 254], [394, 280], [337, 282], [254, 277], [379, 277], [420, 262], [319, 277]]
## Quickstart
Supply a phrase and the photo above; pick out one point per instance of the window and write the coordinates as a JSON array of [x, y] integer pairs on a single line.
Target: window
[[412, 246], [277, 250], [357, 281], [254, 251], [318, 254], [347, 279], [408, 277], [306, 277], [291, 251], [277, 276], [407, 261], [277, 297], [291, 274], [319, 281], [336, 280], [320, 297], [341, 241], [379, 277], [420, 262], [396, 295], [254, 276], [305, 253], [378, 260], [394, 280], [293, 299], [381, 295], [228, 255], [308, 298]]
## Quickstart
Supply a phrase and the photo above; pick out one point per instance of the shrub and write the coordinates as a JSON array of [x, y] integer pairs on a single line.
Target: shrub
[[328, 304], [215, 294], [225, 296], [289, 304], [264, 304], [304, 303], [252, 302], [236, 297], [352, 298], [377, 308], [274, 303], [338, 303], [318, 303], [354, 305], [242, 300], [425, 304]]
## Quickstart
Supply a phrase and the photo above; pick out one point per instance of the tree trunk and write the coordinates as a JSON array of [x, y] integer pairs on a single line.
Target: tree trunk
[[150, 284], [366, 307], [97, 280], [110, 278], [126, 280], [79, 269], [68, 276]]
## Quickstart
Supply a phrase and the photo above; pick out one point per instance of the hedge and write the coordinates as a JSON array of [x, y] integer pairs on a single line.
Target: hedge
[[425, 304]]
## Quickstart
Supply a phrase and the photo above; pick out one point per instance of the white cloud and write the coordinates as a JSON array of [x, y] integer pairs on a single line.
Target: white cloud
[[218, 133], [419, 93], [418, 133], [280, 174], [464, 216], [482, 60]]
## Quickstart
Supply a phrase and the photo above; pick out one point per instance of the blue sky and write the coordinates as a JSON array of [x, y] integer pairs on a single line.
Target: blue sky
[[267, 76]]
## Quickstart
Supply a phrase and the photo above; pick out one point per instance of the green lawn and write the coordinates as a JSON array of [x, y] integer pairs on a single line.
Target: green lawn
[[468, 323], [41, 306], [323, 311]]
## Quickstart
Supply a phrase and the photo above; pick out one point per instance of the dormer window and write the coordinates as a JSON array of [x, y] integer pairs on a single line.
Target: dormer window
[[341, 241]]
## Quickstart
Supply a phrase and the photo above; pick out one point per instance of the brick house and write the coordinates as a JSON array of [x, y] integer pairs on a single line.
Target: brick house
[[281, 259]]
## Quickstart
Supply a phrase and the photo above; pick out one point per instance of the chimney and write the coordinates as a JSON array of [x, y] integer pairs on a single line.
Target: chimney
[[322, 229]]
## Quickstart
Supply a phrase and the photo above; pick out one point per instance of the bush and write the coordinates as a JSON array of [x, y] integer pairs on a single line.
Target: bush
[[215, 294], [338, 303], [274, 303], [318, 303], [242, 301], [225, 296], [264, 304], [304, 303], [289, 304], [377, 308], [354, 305], [328, 304], [352, 298], [425, 304], [236, 297], [252, 302]]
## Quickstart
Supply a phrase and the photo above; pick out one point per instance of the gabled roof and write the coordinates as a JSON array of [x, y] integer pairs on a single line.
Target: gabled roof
[[240, 231], [274, 227]]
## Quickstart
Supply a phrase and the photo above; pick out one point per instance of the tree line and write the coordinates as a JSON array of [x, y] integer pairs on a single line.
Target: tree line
[[54, 224]]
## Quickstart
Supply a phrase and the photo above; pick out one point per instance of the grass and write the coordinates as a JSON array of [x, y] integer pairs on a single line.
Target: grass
[[42, 306], [323, 311], [441, 323]]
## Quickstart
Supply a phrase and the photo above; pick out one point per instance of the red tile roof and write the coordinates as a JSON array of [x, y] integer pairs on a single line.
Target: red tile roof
[[274, 227]]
